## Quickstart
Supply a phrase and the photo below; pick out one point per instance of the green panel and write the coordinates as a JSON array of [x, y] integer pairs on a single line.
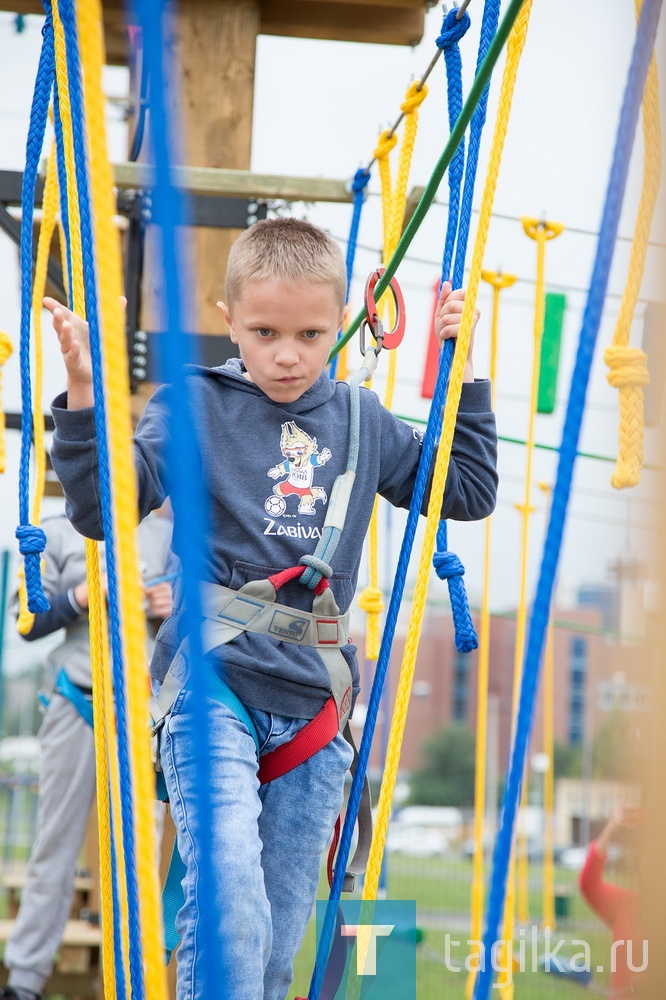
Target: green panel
[[550, 351]]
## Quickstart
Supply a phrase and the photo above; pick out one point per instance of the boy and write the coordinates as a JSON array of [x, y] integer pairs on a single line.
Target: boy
[[272, 414]]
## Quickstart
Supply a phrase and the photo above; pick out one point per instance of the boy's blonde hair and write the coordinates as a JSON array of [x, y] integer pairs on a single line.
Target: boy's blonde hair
[[287, 250]]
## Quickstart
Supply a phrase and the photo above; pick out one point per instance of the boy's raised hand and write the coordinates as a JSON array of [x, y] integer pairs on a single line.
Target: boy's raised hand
[[447, 321], [72, 333]]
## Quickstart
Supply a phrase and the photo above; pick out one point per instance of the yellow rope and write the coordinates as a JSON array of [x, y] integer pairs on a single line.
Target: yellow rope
[[26, 618], [498, 282], [628, 365], [394, 201], [542, 232], [102, 707], [89, 19], [548, 777], [514, 48], [6, 349], [99, 667]]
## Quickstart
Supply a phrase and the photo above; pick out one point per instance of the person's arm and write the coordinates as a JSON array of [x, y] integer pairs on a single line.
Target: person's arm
[[64, 610], [604, 898]]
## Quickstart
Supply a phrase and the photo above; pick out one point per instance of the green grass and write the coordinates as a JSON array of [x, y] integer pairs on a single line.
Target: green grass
[[441, 890]]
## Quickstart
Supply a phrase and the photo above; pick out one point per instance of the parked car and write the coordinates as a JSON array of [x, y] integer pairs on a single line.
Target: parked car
[[417, 841]]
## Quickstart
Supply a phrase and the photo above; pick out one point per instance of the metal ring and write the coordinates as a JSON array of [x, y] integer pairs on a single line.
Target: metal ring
[[393, 338]]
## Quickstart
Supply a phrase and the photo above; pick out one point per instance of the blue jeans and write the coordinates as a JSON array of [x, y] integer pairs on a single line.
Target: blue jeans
[[266, 845]]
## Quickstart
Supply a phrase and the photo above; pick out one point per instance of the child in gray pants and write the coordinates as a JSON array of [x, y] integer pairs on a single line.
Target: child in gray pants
[[67, 769]]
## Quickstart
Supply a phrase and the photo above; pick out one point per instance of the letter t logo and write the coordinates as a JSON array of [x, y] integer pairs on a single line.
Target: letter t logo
[[366, 951]]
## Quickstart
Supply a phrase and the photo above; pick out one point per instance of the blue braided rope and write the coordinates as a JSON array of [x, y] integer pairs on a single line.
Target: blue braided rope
[[62, 185], [31, 539], [645, 39], [68, 19], [358, 186], [447, 40], [430, 438], [450, 568], [447, 564], [188, 494], [489, 22]]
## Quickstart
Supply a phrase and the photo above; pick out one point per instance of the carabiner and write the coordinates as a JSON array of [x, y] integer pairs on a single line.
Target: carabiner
[[392, 339], [376, 328]]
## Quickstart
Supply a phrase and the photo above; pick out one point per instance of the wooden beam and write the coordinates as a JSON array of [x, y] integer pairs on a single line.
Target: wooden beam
[[391, 22], [238, 183], [386, 23]]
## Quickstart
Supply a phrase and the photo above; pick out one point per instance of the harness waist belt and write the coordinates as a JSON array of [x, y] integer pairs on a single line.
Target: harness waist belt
[[234, 611]]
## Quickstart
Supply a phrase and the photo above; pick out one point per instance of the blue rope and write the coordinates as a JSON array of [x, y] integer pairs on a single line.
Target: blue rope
[[447, 564], [450, 568], [645, 39], [358, 186], [32, 539], [453, 29], [188, 493], [430, 438], [489, 22], [62, 184], [115, 625]]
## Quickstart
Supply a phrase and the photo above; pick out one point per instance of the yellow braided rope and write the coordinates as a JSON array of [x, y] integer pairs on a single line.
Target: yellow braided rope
[[6, 349], [394, 202], [89, 19], [498, 283], [542, 232], [514, 48], [99, 667], [26, 618], [102, 707], [549, 776], [628, 365]]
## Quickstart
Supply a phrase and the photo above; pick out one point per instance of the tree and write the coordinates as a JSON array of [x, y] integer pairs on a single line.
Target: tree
[[446, 775], [616, 750]]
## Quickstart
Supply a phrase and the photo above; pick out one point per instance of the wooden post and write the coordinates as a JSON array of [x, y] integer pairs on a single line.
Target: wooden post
[[212, 43]]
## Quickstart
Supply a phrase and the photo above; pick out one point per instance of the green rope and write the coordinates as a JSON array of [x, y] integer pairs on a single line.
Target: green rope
[[543, 447], [457, 133]]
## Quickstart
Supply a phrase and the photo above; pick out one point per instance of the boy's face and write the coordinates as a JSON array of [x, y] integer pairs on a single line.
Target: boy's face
[[285, 334]]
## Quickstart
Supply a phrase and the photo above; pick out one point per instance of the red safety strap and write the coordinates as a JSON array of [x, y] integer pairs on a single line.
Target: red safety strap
[[279, 579], [306, 743]]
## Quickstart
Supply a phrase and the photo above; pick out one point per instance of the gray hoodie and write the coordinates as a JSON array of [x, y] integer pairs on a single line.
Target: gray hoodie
[[269, 469]]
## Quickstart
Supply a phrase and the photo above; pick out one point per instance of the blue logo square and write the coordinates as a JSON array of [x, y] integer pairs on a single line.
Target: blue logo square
[[373, 950]]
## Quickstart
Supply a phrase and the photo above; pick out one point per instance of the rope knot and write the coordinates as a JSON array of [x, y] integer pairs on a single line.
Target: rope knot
[[447, 565], [453, 29], [371, 601], [318, 567], [414, 98], [361, 178], [32, 540], [628, 367], [6, 347], [386, 142]]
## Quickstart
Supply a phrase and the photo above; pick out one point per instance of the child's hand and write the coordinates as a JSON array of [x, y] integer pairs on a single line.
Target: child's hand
[[447, 322], [72, 333], [159, 599]]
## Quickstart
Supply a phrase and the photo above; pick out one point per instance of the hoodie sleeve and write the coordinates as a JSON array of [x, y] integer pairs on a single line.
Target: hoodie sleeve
[[471, 483], [74, 453]]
